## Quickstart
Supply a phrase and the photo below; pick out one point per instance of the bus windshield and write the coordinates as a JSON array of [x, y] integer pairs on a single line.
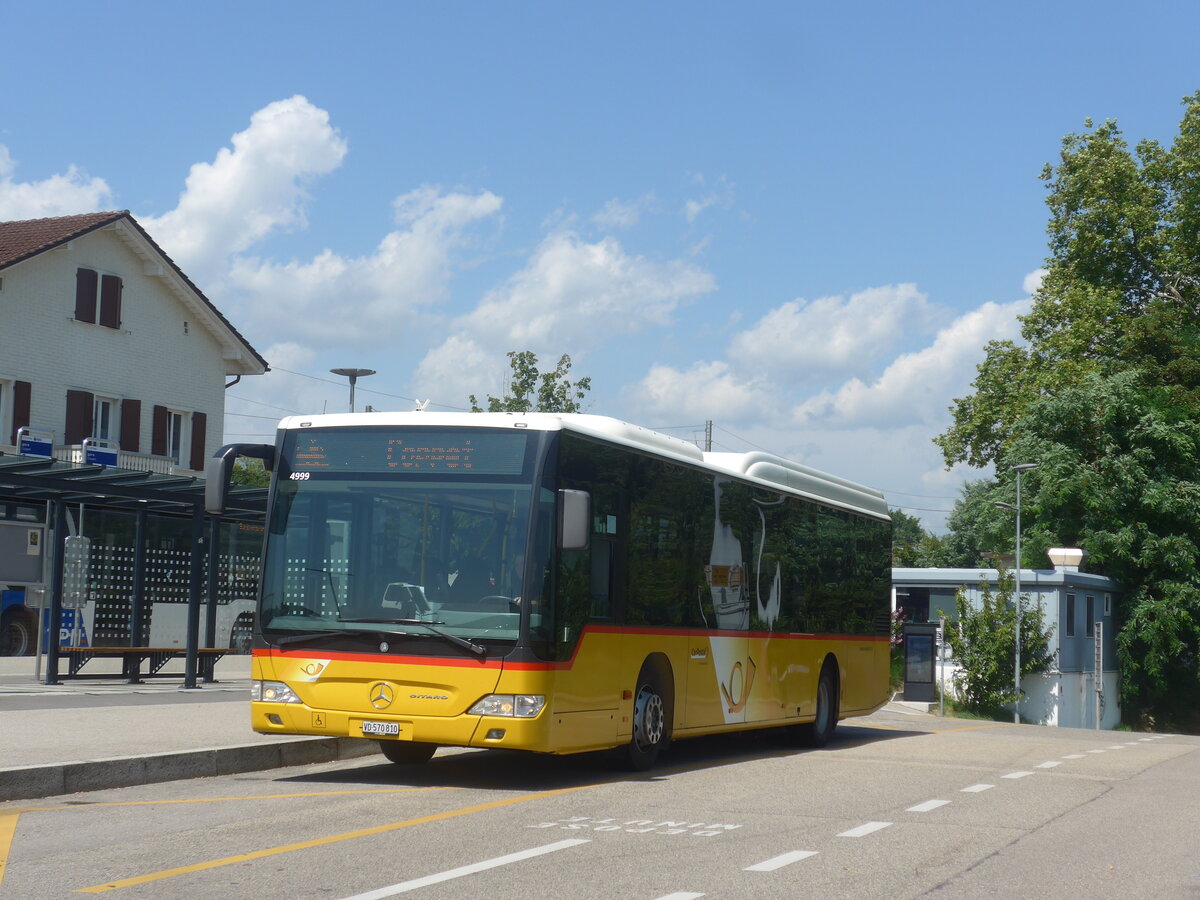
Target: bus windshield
[[416, 538]]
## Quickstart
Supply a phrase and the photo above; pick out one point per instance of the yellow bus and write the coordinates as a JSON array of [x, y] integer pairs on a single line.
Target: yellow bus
[[558, 584]]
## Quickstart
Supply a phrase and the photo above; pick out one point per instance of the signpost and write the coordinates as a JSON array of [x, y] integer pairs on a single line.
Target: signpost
[[1098, 669], [942, 671]]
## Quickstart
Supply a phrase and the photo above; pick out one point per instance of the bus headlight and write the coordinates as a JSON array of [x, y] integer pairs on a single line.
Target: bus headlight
[[272, 692], [521, 706]]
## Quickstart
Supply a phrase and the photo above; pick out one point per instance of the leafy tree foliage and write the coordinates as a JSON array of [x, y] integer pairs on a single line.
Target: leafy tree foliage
[[1104, 393], [907, 535], [250, 473], [1120, 475], [982, 640], [534, 391]]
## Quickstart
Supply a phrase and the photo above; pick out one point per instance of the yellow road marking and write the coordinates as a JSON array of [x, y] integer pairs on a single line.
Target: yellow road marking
[[332, 839], [8, 827], [79, 806]]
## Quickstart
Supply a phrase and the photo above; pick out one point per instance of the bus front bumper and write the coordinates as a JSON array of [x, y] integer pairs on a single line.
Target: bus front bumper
[[451, 731]]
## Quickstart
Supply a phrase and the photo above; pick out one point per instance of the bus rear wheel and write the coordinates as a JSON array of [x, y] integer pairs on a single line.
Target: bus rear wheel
[[407, 753], [649, 723], [818, 732]]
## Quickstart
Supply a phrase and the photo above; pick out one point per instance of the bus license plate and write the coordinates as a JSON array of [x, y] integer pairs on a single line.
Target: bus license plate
[[383, 729]]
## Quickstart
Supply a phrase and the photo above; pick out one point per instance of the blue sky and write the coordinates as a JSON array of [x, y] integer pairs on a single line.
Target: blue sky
[[798, 221]]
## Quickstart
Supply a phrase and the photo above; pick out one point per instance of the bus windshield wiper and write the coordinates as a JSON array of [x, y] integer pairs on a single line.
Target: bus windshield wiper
[[321, 635], [475, 648]]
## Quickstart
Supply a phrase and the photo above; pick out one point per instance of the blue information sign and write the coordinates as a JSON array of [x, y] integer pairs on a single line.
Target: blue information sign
[[34, 446], [100, 456]]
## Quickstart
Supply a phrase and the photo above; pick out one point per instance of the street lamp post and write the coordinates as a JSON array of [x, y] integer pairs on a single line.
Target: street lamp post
[[1023, 467], [353, 375]]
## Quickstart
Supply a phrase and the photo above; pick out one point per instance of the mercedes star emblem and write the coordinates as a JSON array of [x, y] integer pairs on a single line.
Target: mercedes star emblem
[[381, 695]]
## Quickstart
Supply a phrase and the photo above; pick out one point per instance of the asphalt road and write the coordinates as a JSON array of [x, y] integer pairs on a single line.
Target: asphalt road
[[896, 806]]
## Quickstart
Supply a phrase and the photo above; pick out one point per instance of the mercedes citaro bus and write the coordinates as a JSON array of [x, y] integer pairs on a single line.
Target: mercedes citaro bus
[[556, 583]]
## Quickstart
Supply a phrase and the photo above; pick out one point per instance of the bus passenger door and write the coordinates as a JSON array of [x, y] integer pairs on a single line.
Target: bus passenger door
[[720, 672]]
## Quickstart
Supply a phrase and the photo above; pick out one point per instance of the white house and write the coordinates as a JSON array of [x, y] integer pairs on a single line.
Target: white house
[[1076, 605], [103, 336]]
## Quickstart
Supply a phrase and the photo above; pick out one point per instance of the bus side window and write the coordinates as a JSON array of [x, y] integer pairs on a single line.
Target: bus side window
[[602, 560]]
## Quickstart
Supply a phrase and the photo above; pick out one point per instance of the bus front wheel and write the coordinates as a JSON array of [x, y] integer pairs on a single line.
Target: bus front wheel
[[649, 723], [407, 753]]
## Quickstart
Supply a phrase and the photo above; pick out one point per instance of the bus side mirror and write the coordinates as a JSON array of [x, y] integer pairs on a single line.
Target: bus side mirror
[[219, 468], [574, 519]]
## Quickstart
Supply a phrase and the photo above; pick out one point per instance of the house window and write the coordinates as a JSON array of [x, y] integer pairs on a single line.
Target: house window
[[96, 293], [174, 435], [1108, 604], [104, 418], [1070, 616], [1090, 616]]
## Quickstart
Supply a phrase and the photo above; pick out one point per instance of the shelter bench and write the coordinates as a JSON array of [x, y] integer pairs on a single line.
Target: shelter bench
[[132, 659]]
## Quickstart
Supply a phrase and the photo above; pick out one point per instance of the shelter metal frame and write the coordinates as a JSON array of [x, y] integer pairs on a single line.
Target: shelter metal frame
[[59, 483]]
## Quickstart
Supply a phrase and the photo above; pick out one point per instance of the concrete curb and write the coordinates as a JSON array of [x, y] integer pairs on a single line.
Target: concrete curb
[[28, 782]]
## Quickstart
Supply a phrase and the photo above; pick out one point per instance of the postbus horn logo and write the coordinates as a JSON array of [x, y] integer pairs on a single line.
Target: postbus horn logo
[[381, 695]]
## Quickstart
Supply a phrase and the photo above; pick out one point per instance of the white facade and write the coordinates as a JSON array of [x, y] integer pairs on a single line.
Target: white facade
[[171, 349], [1072, 604]]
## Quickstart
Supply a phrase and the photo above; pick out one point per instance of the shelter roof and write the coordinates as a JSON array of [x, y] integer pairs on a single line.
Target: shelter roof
[[39, 479]]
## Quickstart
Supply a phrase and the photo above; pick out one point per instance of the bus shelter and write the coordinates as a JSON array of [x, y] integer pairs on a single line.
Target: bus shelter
[[65, 485]]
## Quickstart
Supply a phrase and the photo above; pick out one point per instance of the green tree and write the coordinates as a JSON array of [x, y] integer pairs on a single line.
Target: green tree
[[250, 473], [533, 391], [1104, 393], [1120, 475], [907, 535], [982, 640]]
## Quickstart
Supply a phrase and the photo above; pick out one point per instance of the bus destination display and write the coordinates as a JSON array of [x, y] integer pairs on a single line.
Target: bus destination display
[[385, 450]]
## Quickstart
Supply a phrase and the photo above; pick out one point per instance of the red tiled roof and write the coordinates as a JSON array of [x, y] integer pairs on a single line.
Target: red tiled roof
[[22, 239]]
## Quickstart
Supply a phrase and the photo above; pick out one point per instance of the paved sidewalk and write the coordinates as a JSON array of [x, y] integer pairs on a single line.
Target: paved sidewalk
[[93, 734]]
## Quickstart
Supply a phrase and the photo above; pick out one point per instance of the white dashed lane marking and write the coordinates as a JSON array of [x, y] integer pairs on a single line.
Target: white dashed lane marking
[[863, 830], [977, 788], [1073, 756], [778, 862], [681, 895], [406, 886], [1048, 765], [928, 805], [1016, 775]]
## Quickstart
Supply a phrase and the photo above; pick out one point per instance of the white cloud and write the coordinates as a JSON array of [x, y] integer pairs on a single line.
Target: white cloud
[[367, 298], [574, 292], [1033, 281], [833, 336], [59, 195], [706, 391], [693, 208], [453, 371], [621, 213], [721, 195], [917, 387], [251, 190]]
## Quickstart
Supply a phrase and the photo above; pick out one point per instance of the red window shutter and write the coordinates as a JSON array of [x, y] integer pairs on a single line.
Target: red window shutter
[[158, 432], [199, 427], [110, 301], [79, 416], [22, 393], [131, 425], [85, 295]]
